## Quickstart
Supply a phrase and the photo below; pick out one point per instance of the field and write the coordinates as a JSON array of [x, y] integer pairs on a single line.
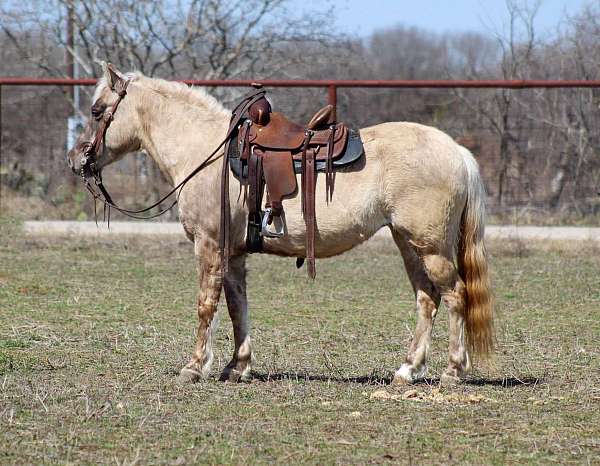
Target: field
[[93, 332]]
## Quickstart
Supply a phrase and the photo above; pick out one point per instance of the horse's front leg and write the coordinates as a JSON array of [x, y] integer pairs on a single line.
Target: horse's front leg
[[237, 305], [210, 283]]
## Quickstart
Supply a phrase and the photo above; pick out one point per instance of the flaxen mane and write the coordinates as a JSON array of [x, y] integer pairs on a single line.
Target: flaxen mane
[[181, 92]]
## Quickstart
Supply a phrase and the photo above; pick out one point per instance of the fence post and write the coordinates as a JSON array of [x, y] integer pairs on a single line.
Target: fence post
[[332, 97], [0, 125]]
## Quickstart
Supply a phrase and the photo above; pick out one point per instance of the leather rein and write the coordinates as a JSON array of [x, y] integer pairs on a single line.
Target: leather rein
[[92, 149]]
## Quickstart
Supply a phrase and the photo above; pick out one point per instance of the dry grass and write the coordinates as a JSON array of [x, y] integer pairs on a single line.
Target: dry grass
[[93, 332]]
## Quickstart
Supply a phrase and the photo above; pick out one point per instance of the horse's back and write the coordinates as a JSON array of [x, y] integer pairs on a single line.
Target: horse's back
[[428, 150]]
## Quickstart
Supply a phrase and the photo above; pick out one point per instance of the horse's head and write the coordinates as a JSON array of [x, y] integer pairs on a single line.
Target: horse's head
[[111, 131]]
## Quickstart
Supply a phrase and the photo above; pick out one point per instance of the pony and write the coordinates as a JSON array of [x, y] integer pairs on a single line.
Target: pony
[[413, 179]]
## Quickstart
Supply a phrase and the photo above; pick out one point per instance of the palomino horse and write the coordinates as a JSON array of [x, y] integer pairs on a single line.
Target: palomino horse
[[414, 179]]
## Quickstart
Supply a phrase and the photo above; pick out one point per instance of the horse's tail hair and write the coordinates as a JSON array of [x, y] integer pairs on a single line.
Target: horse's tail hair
[[473, 265]]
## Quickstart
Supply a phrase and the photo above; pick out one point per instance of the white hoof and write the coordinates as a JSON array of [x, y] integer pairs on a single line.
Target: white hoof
[[408, 374]]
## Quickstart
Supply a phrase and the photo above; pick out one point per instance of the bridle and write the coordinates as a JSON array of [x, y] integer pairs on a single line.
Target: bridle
[[89, 160], [92, 148]]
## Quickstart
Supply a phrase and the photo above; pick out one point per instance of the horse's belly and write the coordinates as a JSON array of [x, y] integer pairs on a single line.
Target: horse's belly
[[351, 217]]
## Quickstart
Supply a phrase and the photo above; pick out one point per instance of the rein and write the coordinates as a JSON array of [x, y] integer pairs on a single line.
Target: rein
[[89, 159]]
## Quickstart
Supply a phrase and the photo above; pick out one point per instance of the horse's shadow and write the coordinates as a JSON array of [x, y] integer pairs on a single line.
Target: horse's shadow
[[372, 379], [306, 377], [506, 382]]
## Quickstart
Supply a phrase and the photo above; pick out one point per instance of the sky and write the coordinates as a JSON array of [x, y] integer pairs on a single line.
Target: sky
[[362, 17]]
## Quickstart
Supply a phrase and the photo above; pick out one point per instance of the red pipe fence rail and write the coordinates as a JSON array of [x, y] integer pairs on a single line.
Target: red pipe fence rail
[[331, 85]]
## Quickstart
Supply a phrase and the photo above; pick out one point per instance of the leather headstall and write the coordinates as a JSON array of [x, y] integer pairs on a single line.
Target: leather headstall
[[89, 161]]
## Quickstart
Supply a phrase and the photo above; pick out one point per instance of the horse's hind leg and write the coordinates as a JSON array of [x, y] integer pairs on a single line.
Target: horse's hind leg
[[428, 300], [443, 274], [237, 305]]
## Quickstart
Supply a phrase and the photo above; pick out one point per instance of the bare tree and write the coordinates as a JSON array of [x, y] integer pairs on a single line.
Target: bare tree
[[539, 147], [568, 118], [208, 39], [516, 50]]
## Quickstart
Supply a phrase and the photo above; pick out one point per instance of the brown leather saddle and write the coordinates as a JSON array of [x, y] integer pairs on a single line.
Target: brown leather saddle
[[269, 150]]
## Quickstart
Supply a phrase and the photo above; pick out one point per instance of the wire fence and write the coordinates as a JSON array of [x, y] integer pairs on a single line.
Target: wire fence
[[534, 168]]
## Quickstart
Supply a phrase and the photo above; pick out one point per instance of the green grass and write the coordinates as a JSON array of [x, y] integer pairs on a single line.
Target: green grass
[[93, 332]]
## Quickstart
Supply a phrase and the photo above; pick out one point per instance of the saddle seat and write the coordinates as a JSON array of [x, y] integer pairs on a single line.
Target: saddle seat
[[276, 132], [281, 134]]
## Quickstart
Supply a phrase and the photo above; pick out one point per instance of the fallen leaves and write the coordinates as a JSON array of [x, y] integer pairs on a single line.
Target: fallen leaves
[[345, 442], [434, 395], [538, 402], [383, 395]]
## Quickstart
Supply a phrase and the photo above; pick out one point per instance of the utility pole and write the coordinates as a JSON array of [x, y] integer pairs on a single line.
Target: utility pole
[[74, 122], [69, 59]]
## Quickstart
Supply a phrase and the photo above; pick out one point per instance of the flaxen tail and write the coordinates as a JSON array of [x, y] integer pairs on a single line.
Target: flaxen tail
[[473, 265]]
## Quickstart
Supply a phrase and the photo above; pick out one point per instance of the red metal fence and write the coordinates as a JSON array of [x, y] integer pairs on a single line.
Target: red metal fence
[[51, 115], [331, 85]]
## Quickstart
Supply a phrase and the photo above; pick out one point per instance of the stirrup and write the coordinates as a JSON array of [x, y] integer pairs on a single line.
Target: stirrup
[[277, 227]]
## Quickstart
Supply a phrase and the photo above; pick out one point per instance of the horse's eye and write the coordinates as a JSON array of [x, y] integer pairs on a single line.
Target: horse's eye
[[98, 110]]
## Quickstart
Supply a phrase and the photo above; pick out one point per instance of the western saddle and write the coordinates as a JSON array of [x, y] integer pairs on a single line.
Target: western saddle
[[268, 150]]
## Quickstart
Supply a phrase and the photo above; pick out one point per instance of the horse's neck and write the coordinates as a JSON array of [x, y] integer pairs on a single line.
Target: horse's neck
[[179, 136]]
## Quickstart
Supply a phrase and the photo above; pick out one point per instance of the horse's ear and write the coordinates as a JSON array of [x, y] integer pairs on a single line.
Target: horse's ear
[[112, 75]]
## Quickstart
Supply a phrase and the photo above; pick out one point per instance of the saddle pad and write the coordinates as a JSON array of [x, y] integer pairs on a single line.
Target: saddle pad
[[321, 138], [353, 153]]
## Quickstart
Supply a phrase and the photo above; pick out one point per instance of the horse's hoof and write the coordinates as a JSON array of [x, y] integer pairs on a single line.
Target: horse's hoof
[[234, 375], [399, 380], [188, 375], [230, 375], [407, 375], [449, 380]]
